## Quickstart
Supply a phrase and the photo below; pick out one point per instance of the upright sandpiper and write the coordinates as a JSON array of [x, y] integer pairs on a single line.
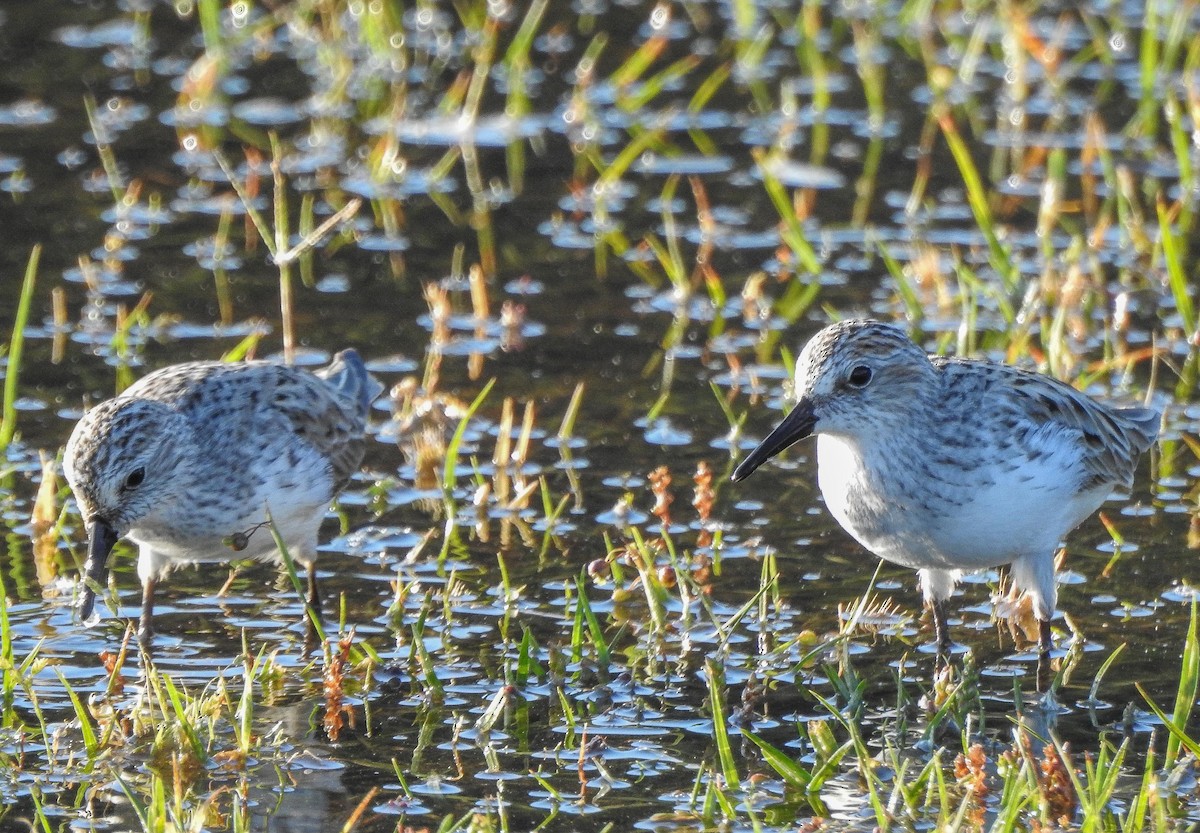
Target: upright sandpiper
[[946, 465]]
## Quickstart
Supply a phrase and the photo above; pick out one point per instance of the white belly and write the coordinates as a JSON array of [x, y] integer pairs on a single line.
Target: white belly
[[296, 523], [296, 491], [901, 517]]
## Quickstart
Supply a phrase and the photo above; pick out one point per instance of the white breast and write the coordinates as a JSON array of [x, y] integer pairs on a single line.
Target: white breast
[[1014, 511], [296, 488]]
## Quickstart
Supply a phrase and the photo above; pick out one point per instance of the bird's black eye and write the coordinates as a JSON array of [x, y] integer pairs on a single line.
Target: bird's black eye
[[860, 376], [135, 478]]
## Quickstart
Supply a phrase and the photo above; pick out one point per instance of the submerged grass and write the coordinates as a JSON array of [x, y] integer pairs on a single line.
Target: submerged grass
[[563, 670]]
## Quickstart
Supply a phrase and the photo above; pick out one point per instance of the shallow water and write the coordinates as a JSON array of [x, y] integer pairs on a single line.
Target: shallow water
[[491, 692]]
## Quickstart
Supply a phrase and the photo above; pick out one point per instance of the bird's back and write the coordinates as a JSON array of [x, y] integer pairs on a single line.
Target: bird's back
[[263, 403], [1036, 411]]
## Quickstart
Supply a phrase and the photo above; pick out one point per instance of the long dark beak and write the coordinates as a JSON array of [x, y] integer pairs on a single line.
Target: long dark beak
[[795, 426], [101, 539]]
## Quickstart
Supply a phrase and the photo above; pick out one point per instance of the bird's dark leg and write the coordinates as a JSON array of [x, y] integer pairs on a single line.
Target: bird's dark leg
[[1044, 671], [314, 592], [1044, 643], [146, 624], [941, 629]]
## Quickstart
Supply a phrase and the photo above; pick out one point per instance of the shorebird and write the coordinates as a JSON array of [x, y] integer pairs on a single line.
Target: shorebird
[[191, 461], [949, 465]]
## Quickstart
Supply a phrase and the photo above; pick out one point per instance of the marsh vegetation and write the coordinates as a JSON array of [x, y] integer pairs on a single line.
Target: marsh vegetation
[[581, 243]]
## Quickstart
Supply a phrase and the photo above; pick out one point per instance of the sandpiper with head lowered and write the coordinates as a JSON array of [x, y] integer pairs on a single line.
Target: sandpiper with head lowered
[[189, 461], [949, 465]]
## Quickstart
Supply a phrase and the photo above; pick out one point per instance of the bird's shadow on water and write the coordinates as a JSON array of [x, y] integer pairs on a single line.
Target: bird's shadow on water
[[187, 625], [954, 690], [1048, 673]]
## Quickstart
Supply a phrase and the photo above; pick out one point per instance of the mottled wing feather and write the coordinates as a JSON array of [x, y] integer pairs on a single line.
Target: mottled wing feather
[[262, 393], [1111, 439], [318, 414]]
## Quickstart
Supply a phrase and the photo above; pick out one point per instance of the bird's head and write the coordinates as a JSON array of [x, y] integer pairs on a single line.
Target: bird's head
[[852, 379], [122, 462]]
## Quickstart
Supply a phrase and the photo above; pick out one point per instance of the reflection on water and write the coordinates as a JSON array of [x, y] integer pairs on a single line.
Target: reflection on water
[[657, 203]]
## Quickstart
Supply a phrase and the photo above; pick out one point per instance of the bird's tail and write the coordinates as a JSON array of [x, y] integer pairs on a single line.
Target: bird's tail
[[348, 375], [1144, 423]]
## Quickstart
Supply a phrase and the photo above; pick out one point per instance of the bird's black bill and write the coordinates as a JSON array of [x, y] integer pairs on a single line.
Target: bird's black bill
[[795, 426], [101, 539]]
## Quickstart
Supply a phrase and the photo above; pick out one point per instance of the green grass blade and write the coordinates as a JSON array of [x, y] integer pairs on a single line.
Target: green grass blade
[[450, 469], [716, 682], [1176, 730], [289, 566], [789, 770], [179, 710], [16, 346], [86, 730], [1185, 694], [977, 198], [603, 656], [1173, 255], [793, 230]]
